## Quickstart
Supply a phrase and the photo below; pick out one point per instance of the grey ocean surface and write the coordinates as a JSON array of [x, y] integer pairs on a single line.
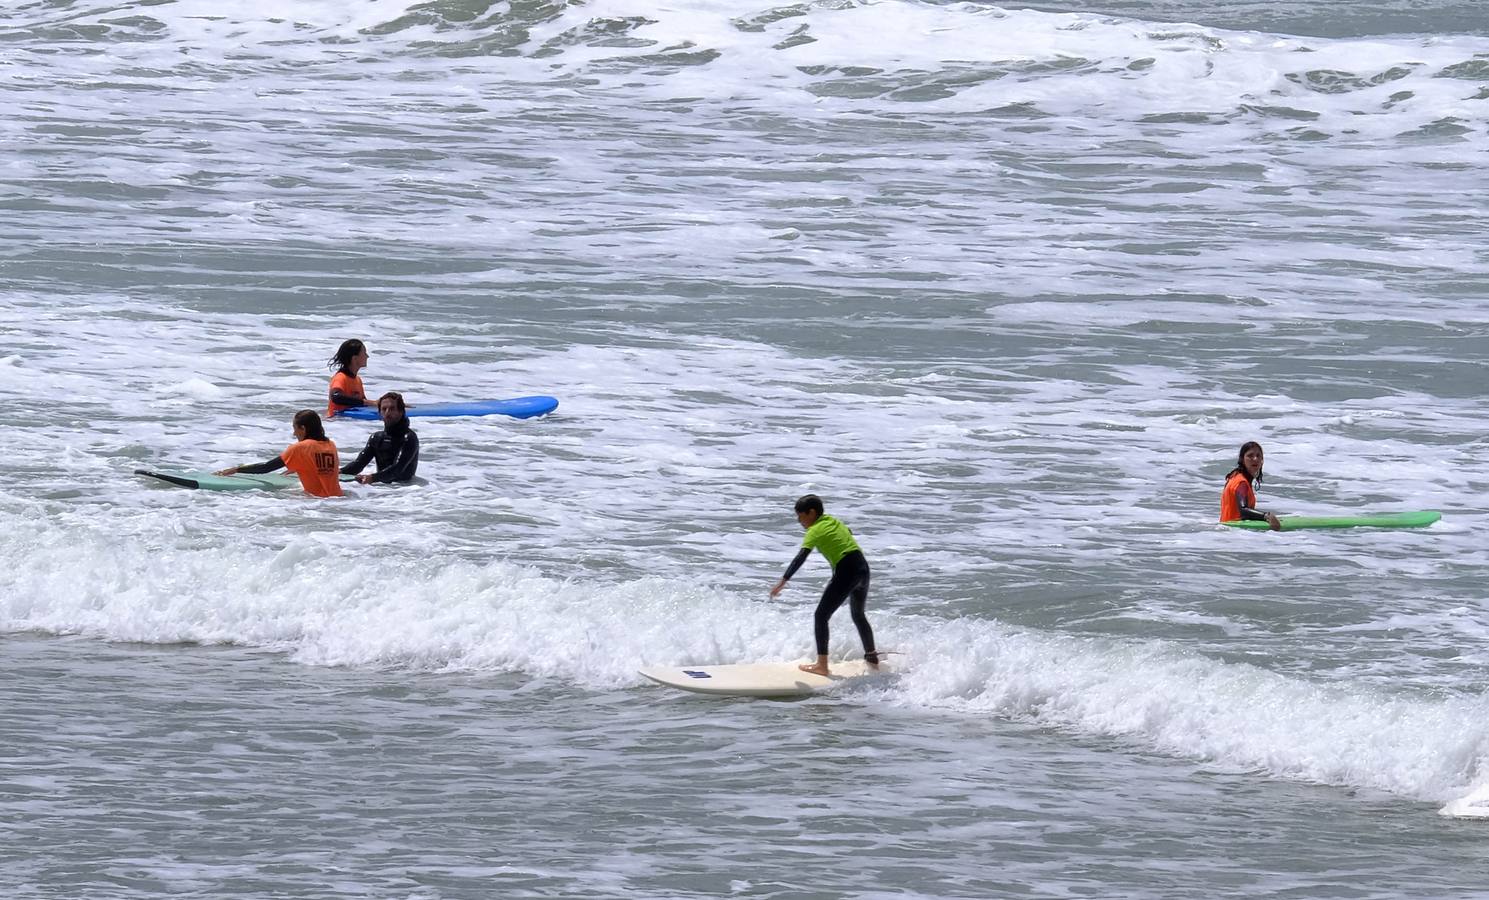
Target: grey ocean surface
[[1008, 287]]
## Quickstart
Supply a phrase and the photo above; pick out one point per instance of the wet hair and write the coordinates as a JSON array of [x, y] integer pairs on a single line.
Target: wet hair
[[349, 348], [1241, 462], [397, 399], [310, 420], [809, 503]]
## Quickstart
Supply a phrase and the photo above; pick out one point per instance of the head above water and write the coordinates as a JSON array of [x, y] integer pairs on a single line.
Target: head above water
[[308, 426], [1249, 462], [390, 407], [809, 502], [808, 510], [352, 354]]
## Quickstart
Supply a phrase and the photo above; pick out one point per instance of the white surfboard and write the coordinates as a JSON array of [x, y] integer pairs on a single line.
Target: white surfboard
[[761, 679]]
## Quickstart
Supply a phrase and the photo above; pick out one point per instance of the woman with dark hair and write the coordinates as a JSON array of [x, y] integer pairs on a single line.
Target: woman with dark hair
[[312, 456], [396, 447], [1238, 499], [346, 385]]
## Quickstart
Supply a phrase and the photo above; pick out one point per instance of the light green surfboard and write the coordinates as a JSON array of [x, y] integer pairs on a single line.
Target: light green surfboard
[[206, 481], [1416, 519]]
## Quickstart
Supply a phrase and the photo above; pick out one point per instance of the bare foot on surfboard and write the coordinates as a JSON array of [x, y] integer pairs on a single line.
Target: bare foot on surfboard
[[814, 668]]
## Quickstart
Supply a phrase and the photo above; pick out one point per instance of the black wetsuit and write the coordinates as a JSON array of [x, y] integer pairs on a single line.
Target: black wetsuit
[[396, 449], [850, 581]]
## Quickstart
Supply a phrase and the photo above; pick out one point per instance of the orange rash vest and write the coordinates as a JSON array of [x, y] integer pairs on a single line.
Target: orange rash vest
[[318, 466]]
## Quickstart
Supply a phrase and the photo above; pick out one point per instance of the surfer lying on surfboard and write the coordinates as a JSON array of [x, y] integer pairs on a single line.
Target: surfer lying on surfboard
[[850, 578], [1238, 499]]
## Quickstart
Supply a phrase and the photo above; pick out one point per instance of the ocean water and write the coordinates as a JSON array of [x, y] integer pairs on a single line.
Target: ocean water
[[1008, 287]]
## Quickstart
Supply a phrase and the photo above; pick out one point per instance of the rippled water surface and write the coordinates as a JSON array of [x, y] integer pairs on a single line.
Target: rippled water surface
[[1008, 287]]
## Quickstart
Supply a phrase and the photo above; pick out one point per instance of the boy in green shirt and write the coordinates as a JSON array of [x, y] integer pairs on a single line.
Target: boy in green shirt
[[850, 578]]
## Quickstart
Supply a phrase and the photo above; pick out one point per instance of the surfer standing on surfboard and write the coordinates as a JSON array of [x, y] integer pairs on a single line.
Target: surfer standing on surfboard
[[1238, 499], [346, 391], [850, 578]]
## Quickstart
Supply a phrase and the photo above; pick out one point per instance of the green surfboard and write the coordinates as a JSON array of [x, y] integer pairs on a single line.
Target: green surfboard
[[1416, 519], [206, 481]]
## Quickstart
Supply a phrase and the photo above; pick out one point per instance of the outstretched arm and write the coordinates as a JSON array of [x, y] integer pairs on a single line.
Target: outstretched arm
[[801, 557], [404, 465], [362, 459], [254, 468], [341, 398], [1260, 515]]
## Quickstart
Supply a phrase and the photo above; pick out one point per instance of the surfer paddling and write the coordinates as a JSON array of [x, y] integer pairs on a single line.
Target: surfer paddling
[[1238, 499], [850, 578]]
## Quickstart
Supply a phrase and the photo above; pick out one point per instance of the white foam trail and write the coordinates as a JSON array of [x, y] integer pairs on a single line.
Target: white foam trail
[[946, 58], [309, 601], [1076, 261], [1234, 715]]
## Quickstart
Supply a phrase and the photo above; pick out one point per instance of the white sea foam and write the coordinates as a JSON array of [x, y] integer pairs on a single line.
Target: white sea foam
[[1237, 715], [437, 616], [1007, 287]]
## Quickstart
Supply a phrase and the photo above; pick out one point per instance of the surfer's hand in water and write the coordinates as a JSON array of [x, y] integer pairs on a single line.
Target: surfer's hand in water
[[1272, 522], [780, 585], [364, 479]]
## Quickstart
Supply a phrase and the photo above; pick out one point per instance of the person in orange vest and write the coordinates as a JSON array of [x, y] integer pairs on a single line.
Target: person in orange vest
[[312, 456], [1238, 499], [346, 390]]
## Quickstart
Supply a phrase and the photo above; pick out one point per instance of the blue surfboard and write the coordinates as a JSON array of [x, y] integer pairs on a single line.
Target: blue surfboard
[[516, 407]]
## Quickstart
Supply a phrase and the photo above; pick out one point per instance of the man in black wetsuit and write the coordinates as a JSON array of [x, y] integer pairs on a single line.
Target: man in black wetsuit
[[396, 447]]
